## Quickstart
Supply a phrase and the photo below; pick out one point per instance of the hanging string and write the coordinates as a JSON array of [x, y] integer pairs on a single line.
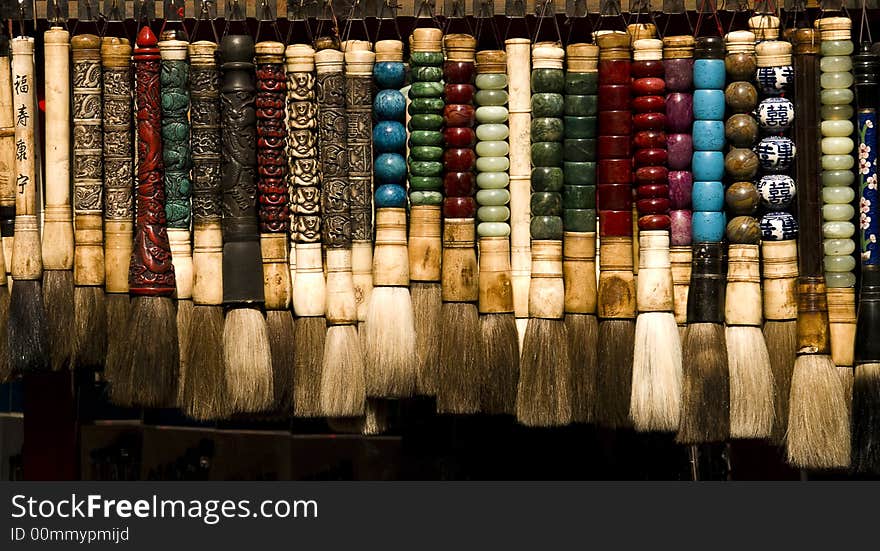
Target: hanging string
[[571, 22], [742, 6], [605, 14], [426, 11], [714, 12], [547, 11], [687, 19], [328, 14], [392, 6], [864, 26], [349, 21], [299, 15], [265, 14], [458, 14], [486, 13], [204, 15]]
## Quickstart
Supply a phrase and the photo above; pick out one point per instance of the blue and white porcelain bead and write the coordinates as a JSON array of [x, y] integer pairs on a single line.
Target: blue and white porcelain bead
[[709, 73], [389, 74], [778, 226], [707, 196], [777, 191], [389, 137], [389, 105], [776, 153], [707, 165], [390, 196], [390, 169], [709, 104], [708, 226], [774, 81], [708, 135], [775, 114]]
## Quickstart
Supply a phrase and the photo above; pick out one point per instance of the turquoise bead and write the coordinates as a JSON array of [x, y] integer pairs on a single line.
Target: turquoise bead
[[709, 104], [707, 196], [389, 137], [491, 81], [426, 198], [426, 137], [708, 135], [390, 168], [491, 114], [546, 178], [493, 229], [580, 174], [492, 132], [493, 197], [709, 73], [390, 196], [493, 214], [426, 153], [492, 180], [492, 164], [490, 97], [707, 165], [492, 149], [708, 227]]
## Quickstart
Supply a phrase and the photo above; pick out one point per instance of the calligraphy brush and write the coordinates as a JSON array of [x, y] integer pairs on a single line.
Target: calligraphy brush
[[818, 432], [7, 181]]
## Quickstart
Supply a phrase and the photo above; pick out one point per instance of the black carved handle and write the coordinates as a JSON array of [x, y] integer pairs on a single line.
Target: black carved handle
[[333, 148]]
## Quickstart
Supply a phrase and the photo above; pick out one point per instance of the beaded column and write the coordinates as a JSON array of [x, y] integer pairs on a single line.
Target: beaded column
[[837, 184], [678, 65]]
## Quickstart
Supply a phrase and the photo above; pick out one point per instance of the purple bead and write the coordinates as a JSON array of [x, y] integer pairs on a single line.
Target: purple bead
[[681, 183], [680, 227], [679, 112], [679, 150], [679, 74]]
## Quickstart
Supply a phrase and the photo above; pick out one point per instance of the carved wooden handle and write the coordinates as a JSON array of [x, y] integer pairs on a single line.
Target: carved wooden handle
[[27, 263], [333, 132], [176, 152], [302, 144]]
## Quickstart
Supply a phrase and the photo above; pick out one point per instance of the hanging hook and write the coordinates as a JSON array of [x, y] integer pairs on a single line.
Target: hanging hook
[[546, 10], [392, 6]]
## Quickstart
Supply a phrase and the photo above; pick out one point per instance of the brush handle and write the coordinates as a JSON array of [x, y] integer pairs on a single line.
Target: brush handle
[[118, 165], [242, 262], [547, 290], [706, 296], [867, 65], [302, 144], [27, 263], [496, 290], [678, 69], [273, 198], [655, 289], [742, 304], [332, 128], [151, 272], [425, 243], [519, 121], [492, 148], [7, 145], [548, 85], [88, 196], [780, 274], [390, 259], [813, 335], [579, 272], [207, 194], [58, 216], [617, 288], [460, 275], [842, 323], [867, 348], [680, 264]]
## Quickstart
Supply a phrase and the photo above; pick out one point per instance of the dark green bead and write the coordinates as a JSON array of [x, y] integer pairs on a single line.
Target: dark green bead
[[546, 227], [548, 80], [580, 220], [426, 90], [426, 105], [427, 74], [580, 174], [548, 105], [425, 168], [581, 83], [547, 154], [547, 178], [580, 127], [581, 106], [425, 183], [579, 197], [426, 58], [580, 150], [547, 130], [426, 153], [546, 203], [425, 137], [426, 122]]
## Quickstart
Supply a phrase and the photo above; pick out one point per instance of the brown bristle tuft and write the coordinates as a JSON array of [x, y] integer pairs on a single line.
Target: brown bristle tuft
[[90, 329], [58, 303], [117, 312], [427, 301], [389, 344], [500, 355], [866, 419], [184, 331], [26, 329], [752, 391], [308, 357], [543, 397], [705, 408], [343, 390], [204, 386], [461, 375], [280, 325], [781, 338], [5, 366], [248, 360], [616, 342], [583, 332]]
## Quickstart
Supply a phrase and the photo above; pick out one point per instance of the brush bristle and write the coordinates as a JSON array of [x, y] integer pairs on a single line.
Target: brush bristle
[[390, 344], [308, 357], [543, 397], [427, 301], [248, 360], [147, 376], [281, 331], [204, 387], [375, 421], [866, 419], [818, 433], [705, 408], [5, 366], [90, 329], [58, 303], [616, 342], [752, 391], [781, 338], [583, 332], [461, 367], [184, 331], [343, 390], [501, 360], [655, 401], [27, 332], [118, 310]]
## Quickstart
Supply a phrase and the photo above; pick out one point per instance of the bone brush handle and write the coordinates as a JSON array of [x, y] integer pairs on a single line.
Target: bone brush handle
[[58, 217], [7, 153], [151, 272], [27, 263], [118, 163], [519, 66]]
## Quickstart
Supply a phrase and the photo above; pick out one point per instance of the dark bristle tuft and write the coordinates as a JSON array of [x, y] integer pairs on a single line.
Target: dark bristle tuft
[[308, 357], [5, 366], [543, 398], [204, 386], [461, 368], [58, 303], [28, 335], [90, 329], [705, 408], [616, 342], [501, 359], [583, 332], [118, 310], [781, 337], [427, 301], [866, 419], [184, 330], [281, 342]]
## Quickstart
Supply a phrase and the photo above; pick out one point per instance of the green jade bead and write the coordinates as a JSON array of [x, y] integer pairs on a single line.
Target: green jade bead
[[431, 106], [493, 164], [580, 220], [493, 213], [837, 112], [491, 81], [837, 212], [835, 63], [426, 58], [490, 97], [493, 197], [581, 83], [836, 96], [547, 178], [427, 74], [492, 180], [493, 229], [580, 174], [838, 195], [426, 183], [581, 106], [838, 247], [579, 197], [426, 153], [835, 178], [837, 146], [426, 122], [547, 129], [546, 227], [426, 137], [426, 90], [492, 132], [546, 203], [836, 47], [580, 127], [425, 168], [836, 80], [548, 105], [426, 198], [547, 154], [843, 263], [837, 129], [837, 162], [492, 149], [838, 230], [491, 114], [580, 150], [840, 280], [548, 80]]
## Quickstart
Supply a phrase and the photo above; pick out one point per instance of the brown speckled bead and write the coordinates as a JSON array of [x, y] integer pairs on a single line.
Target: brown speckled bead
[[741, 130], [741, 164], [741, 97], [741, 198], [743, 229], [740, 66]]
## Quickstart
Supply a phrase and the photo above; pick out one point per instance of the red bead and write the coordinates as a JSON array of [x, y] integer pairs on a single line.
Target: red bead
[[459, 137], [654, 222], [459, 93], [459, 160], [614, 147], [648, 86], [459, 184], [649, 104], [650, 157], [615, 123], [615, 223], [614, 97], [459, 72], [459, 115], [614, 71], [656, 205], [649, 138], [614, 197], [648, 191], [459, 207], [647, 68], [614, 171], [649, 121], [651, 175]]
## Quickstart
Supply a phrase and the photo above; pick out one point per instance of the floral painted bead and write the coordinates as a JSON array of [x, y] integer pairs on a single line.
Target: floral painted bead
[[776, 153], [775, 114], [777, 191], [778, 226], [774, 81]]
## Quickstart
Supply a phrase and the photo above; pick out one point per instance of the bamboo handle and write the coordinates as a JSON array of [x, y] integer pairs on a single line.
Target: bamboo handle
[[496, 289], [460, 275], [842, 324], [519, 107], [742, 304], [7, 148], [780, 272], [547, 290], [310, 288], [579, 272], [425, 243], [654, 291], [813, 335], [27, 262], [617, 289], [390, 256], [341, 305], [680, 264]]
